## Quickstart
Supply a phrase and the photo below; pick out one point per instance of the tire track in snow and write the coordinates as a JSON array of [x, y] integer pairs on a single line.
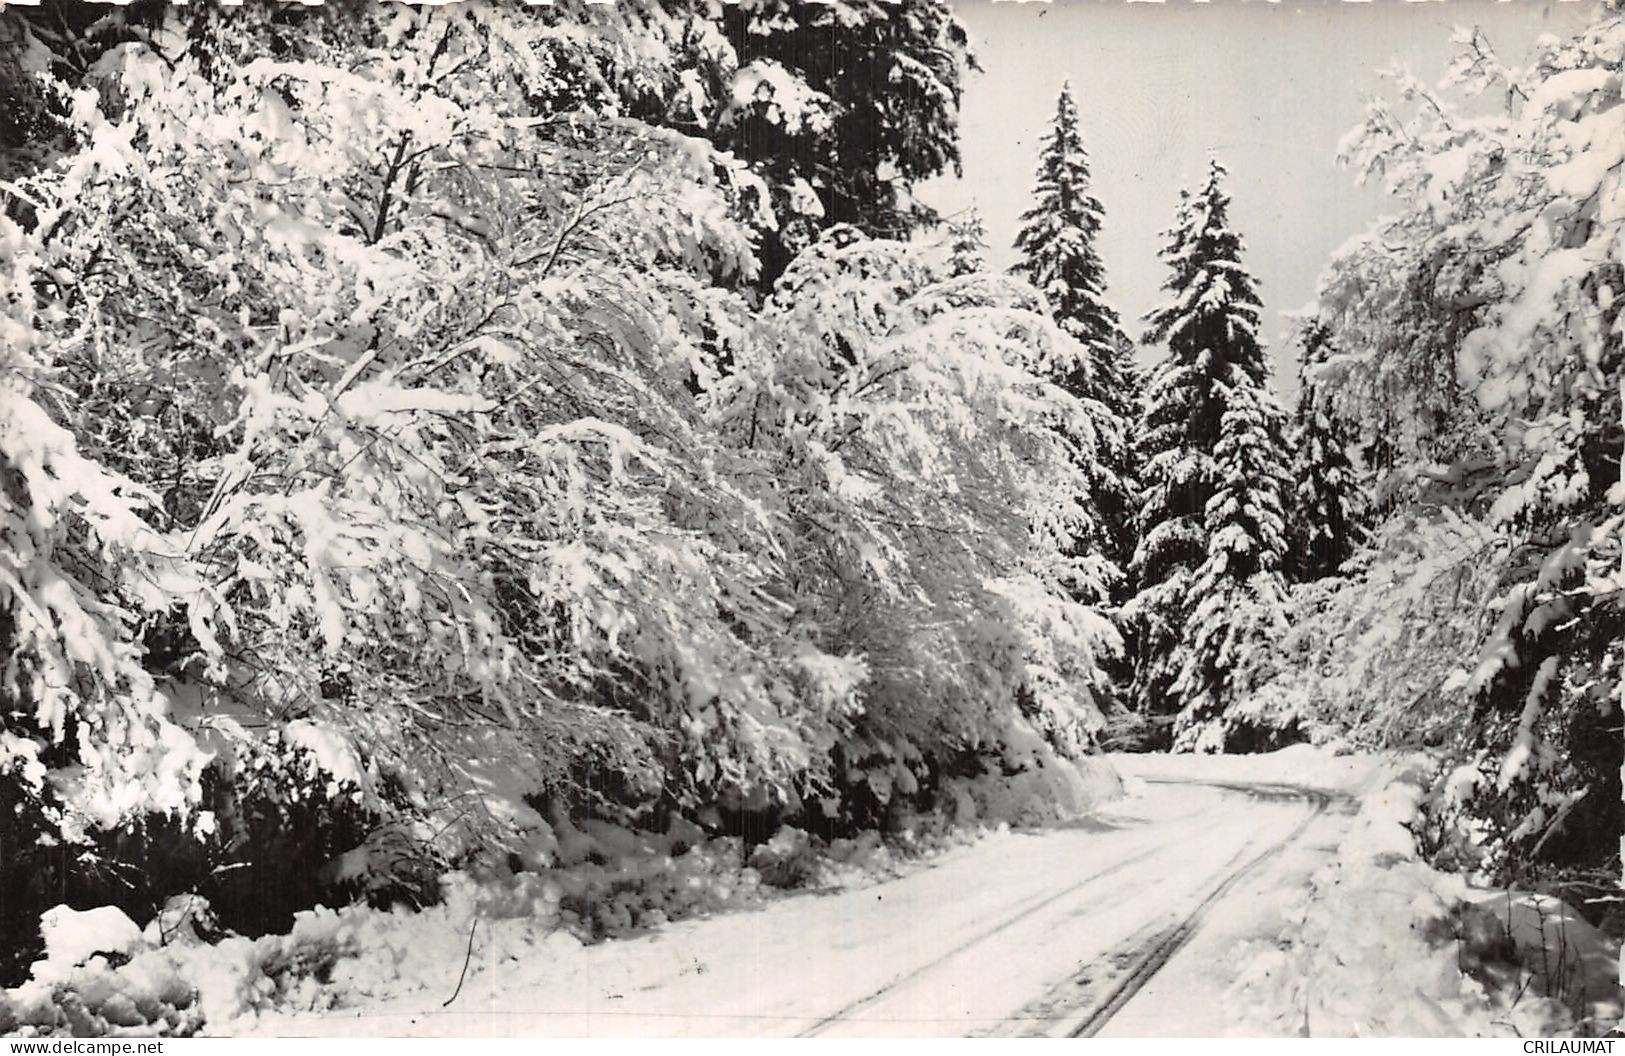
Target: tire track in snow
[[1026, 911], [1167, 942]]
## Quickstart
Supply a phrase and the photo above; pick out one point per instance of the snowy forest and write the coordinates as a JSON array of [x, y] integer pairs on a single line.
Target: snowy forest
[[489, 462]]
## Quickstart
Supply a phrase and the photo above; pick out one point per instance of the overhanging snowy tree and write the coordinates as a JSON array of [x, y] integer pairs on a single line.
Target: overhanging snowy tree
[[339, 281], [1327, 506], [359, 430], [839, 109], [934, 467], [1058, 254], [1207, 427], [1479, 330]]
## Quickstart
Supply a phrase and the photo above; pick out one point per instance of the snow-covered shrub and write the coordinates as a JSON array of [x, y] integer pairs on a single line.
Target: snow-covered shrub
[[258, 844], [787, 860], [1383, 945], [1031, 785], [174, 984]]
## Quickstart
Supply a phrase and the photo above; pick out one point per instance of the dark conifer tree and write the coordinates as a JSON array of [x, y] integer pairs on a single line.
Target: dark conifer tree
[[887, 78], [1213, 471], [1058, 254], [1328, 502]]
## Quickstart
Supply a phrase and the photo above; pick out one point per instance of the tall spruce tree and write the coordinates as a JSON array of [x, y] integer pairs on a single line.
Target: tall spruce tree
[[1058, 254], [1213, 471], [1328, 501], [1237, 594]]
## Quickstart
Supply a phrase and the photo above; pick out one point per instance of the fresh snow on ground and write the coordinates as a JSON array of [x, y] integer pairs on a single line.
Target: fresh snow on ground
[[1292, 874], [1379, 944], [73, 936], [1303, 765], [957, 948]]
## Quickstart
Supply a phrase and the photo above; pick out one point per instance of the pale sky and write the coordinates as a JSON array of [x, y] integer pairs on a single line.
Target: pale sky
[[1270, 87]]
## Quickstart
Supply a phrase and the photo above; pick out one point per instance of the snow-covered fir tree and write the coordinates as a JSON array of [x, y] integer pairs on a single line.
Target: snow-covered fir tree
[[840, 108], [1058, 254], [1058, 233], [1238, 592], [1328, 496], [1132, 383], [967, 243], [1213, 465]]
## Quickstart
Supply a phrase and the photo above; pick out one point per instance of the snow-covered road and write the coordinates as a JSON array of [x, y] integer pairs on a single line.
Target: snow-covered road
[[1120, 924]]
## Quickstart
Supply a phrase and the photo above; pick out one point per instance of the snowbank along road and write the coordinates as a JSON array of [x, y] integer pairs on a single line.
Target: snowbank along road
[[1124, 923]]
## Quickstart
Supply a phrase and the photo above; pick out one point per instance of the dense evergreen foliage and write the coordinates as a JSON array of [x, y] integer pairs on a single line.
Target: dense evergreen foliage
[[1210, 525], [1328, 500], [1058, 253], [842, 108]]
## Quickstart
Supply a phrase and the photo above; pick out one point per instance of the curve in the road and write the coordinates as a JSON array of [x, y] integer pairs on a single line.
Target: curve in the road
[[1147, 956], [1168, 942], [1025, 912]]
